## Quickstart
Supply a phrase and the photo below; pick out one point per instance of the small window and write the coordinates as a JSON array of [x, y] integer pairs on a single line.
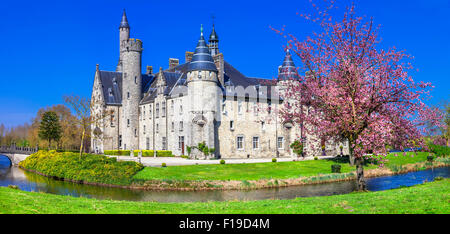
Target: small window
[[128, 95], [135, 132], [181, 109], [157, 128], [157, 111], [255, 142], [231, 125], [181, 126], [144, 129], [164, 143], [173, 126], [240, 142], [163, 109], [280, 142], [128, 122]]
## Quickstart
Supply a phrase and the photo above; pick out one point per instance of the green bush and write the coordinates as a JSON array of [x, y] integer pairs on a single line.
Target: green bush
[[274, 160], [222, 161], [163, 165], [117, 152], [184, 156], [316, 158], [336, 168], [164, 153], [439, 150], [89, 168]]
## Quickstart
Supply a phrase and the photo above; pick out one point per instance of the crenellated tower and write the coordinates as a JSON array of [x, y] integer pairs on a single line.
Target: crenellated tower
[[203, 90], [131, 92]]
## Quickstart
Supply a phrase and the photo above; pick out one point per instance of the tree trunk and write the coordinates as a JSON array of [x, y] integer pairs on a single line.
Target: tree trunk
[[351, 156], [82, 143], [360, 180]]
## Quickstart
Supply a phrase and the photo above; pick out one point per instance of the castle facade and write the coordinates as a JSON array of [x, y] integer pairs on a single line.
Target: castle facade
[[204, 99]]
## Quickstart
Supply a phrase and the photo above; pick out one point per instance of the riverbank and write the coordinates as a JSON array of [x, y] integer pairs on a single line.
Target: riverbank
[[104, 171], [428, 198]]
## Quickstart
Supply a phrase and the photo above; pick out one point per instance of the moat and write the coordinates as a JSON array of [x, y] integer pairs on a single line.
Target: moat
[[28, 181]]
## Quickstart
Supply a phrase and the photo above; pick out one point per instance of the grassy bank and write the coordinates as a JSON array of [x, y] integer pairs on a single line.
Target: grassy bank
[[95, 169], [257, 171], [431, 197]]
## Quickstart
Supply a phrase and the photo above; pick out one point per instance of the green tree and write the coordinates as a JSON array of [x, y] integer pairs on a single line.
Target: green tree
[[297, 148], [50, 128]]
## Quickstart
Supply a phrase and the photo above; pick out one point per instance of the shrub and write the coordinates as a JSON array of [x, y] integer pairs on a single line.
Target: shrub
[[90, 168], [117, 152], [163, 165], [316, 158], [274, 160], [336, 168], [430, 158], [164, 153], [297, 147], [184, 156], [222, 161], [439, 150]]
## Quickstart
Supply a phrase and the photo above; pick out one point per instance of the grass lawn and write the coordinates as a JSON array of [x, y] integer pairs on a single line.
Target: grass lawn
[[256, 171], [431, 197]]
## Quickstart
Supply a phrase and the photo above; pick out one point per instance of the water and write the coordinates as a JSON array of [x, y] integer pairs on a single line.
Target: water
[[32, 182]]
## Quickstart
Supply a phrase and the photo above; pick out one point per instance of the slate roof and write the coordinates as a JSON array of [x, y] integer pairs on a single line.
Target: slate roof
[[202, 59], [112, 86], [288, 69], [175, 83]]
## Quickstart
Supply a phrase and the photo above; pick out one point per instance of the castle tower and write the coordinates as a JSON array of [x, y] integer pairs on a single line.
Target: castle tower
[[214, 42], [203, 91], [131, 92], [124, 35]]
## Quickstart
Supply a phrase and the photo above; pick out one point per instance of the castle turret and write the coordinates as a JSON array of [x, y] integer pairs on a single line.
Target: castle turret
[[214, 42], [124, 35], [287, 71], [203, 91], [131, 92]]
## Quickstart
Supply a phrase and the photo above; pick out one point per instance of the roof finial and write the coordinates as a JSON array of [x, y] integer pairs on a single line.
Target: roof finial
[[201, 29]]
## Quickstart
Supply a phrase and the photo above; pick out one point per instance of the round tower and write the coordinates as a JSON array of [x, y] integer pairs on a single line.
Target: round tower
[[131, 92], [124, 35], [203, 91]]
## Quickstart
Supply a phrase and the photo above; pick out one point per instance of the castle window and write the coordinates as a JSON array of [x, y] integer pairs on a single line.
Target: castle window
[[181, 109], [240, 142], [163, 111], [263, 126], [135, 79], [150, 112], [240, 106], [128, 95], [255, 142], [231, 125], [171, 107], [173, 126], [135, 132], [144, 129], [128, 122], [181, 126], [280, 142], [112, 120], [157, 110], [164, 143], [180, 142], [157, 128], [120, 141]]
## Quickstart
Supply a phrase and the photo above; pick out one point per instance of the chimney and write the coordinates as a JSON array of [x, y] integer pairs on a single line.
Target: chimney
[[188, 56], [149, 70], [173, 62]]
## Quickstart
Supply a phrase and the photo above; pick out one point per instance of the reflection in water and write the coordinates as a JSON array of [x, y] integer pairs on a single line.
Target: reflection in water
[[32, 182]]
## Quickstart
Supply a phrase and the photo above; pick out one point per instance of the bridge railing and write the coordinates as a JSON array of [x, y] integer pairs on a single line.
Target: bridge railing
[[13, 149]]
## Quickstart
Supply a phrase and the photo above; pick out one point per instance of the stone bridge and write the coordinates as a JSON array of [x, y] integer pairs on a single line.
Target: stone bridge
[[17, 154]]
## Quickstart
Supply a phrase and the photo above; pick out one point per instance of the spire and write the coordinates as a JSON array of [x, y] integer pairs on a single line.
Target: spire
[[214, 41], [124, 22], [202, 59], [288, 69]]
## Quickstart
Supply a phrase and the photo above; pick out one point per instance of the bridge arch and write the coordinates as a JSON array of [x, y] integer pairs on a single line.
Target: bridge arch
[[8, 157]]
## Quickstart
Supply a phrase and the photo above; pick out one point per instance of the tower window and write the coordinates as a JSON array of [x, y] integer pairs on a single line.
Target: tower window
[[128, 122], [128, 95], [157, 110], [173, 126], [280, 142], [163, 111], [135, 79], [231, 125], [255, 142], [181, 126]]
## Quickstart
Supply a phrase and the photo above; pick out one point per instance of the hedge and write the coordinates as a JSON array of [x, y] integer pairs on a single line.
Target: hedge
[[90, 168], [145, 153], [439, 150]]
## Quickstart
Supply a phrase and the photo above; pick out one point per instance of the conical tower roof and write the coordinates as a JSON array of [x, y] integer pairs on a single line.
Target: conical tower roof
[[124, 22], [202, 59], [213, 36], [288, 69]]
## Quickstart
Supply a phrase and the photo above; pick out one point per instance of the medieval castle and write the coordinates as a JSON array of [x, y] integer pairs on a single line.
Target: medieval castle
[[203, 100]]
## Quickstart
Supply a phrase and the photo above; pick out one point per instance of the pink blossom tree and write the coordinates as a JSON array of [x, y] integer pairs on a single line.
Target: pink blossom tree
[[347, 89]]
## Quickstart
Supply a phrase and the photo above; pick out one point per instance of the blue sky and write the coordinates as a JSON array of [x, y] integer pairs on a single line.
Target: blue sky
[[50, 48]]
